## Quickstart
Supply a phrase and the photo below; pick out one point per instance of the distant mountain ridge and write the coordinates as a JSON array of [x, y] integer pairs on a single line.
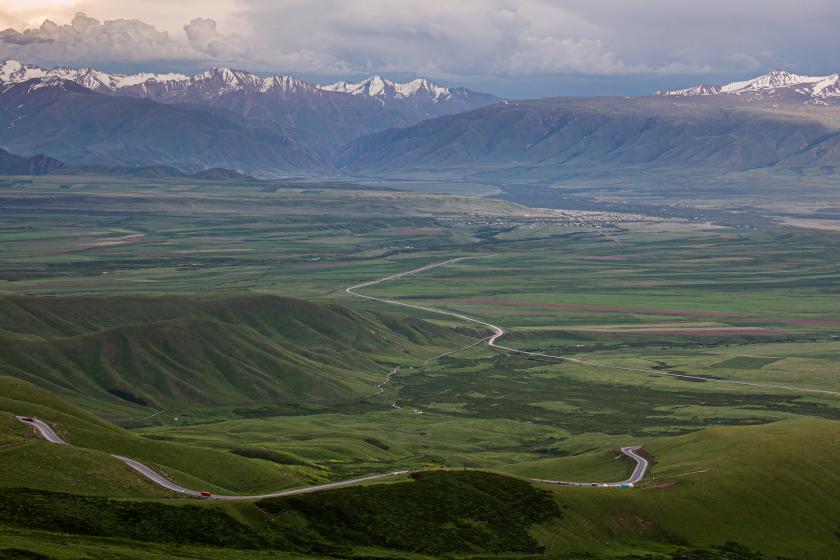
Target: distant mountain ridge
[[284, 126], [79, 126], [426, 97], [220, 82], [777, 85], [559, 138]]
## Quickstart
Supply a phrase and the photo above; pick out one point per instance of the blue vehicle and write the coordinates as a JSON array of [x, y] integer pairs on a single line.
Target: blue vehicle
[[627, 485]]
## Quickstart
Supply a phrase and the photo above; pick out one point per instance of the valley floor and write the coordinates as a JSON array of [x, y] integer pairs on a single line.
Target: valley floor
[[181, 338]]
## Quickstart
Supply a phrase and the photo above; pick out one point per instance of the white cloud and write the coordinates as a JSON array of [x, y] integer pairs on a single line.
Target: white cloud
[[439, 38], [553, 55], [203, 36], [465, 38], [743, 61], [85, 40]]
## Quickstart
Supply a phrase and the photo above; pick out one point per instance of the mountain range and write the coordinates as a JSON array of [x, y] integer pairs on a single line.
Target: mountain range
[[776, 85], [283, 126], [561, 138], [289, 126], [418, 99], [225, 87]]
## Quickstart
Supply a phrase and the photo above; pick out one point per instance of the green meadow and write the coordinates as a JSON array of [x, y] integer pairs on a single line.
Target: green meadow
[[206, 331]]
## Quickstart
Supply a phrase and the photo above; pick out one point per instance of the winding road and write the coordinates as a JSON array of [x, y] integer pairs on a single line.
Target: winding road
[[499, 332], [45, 431], [639, 471]]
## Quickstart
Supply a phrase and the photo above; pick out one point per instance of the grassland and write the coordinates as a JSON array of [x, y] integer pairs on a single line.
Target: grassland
[[191, 283], [770, 488], [58, 468], [133, 357]]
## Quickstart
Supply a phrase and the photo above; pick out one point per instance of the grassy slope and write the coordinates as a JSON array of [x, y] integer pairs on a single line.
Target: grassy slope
[[167, 351], [773, 488], [54, 467]]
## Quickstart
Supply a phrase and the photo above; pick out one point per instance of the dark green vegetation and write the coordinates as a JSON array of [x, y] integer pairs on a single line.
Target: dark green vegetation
[[709, 487], [162, 352], [437, 513], [453, 512], [141, 521], [164, 297]]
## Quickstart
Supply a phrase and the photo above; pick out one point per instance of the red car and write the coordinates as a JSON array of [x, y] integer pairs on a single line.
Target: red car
[[206, 494], [28, 419]]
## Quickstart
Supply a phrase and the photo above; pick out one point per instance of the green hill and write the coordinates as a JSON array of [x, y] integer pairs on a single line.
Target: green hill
[[773, 488], [85, 467], [729, 493], [143, 353]]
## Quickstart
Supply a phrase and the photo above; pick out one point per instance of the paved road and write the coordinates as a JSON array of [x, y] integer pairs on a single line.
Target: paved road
[[499, 332], [638, 472], [160, 480], [45, 431], [635, 477]]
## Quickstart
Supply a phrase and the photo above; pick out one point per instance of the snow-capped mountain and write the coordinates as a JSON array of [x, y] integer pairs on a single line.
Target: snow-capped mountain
[[776, 85], [216, 81], [419, 99], [304, 124], [12, 71], [379, 87], [219, 82]]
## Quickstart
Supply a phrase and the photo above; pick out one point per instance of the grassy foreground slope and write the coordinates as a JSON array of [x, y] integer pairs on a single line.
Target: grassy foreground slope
[[771, 489], [87, 468], [158, 352]]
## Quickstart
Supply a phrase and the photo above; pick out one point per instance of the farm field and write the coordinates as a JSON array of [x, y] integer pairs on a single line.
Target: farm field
[[148, 304]]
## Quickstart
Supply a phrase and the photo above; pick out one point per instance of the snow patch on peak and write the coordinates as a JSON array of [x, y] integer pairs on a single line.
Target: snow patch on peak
[[143, 77], [776, 84], [422, 86], [699, 89], [14, 71], [828, 87], [49, 82], [379, 87], [773, 79]]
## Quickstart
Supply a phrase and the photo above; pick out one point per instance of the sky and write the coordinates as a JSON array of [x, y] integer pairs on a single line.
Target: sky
[[513, 48]]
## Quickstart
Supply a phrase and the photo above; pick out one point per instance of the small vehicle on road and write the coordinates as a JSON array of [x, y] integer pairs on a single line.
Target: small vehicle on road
[[28, 419], [627, 485], [206, 494]]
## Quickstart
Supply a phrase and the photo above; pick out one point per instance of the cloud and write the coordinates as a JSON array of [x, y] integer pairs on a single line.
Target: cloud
[[554, 55], [13, 37], [460, 41], [743, 61], [86, 40], [204, 37], [464, 38]]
